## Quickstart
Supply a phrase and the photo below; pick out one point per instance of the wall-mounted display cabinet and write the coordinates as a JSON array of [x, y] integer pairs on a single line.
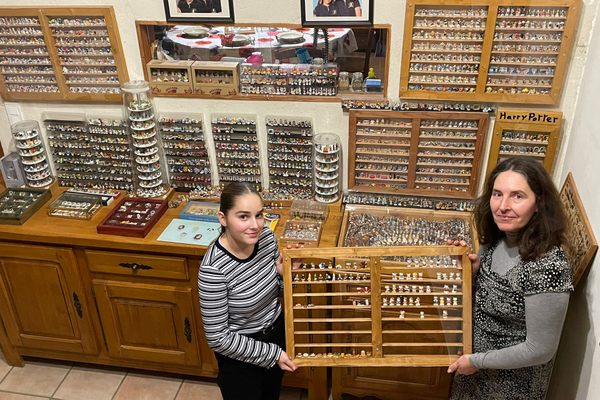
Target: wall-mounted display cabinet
[[426, 153], [60, 53], [526, 133], [501, 50]]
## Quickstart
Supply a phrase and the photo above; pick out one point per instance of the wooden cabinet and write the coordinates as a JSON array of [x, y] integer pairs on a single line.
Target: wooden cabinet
[[147, 322], [42, 300], [500, 51]]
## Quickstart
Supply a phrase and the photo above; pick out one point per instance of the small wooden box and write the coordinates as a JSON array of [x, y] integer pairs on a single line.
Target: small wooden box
[[212, 78], [123, 219], [31, 200], [304, 232], [170, 77]]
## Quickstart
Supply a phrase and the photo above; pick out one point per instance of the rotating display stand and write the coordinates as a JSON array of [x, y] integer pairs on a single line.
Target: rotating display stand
[[327, 167], [30, 147]]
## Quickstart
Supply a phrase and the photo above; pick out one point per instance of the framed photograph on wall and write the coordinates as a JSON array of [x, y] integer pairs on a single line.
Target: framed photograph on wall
[[336, 12], [199, 11]]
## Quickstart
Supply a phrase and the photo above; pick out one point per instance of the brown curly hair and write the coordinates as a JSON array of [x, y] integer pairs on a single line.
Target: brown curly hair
[[547, 226]]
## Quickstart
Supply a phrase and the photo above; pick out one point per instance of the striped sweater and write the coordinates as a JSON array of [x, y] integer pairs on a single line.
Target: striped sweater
[[239, 298]]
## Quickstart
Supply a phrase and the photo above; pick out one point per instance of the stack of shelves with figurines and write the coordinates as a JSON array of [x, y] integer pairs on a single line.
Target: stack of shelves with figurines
[[113, 161], [417, 153], [185, 151], [150, 177], [237, 149], [499, 51], [525, 133], [290, 150], [328, 150], [378, 306], [26, 67], [31, 150], [88, 50]]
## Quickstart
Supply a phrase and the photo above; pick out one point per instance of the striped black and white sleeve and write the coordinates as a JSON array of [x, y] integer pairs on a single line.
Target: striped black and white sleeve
[[214, 307]]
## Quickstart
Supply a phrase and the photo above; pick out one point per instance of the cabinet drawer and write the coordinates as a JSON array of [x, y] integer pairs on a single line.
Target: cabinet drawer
[[132, 264]]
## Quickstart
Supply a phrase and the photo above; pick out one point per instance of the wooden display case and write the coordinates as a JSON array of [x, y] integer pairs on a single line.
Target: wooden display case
[[422, 153], [500, 51], [216, 78], [133, 217], [60, 53], [527, 133], [386, 306], [170, 77]]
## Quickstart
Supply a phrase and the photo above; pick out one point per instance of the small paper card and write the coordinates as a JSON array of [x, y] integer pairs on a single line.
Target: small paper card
[[190, 232]]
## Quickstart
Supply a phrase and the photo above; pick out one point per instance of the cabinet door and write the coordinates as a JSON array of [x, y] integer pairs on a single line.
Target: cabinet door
[[42, 299], [148, 322], [392, 383]]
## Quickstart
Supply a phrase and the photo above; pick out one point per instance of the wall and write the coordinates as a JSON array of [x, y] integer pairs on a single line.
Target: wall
[[579, 354], [576, 374]]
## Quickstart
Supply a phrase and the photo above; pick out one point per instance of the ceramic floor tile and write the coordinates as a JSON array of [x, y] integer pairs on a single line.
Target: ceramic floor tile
[[142, 387], [35, 378], [14, 396], [89, 384], [194, 390], [4, 368]]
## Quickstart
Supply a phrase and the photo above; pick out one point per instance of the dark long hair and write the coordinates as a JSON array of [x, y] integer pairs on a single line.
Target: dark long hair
[[230, 193], [547, 226]]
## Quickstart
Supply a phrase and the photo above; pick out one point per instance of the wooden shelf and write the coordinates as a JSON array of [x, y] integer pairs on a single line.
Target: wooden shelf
[[319, 333], [558, 40]]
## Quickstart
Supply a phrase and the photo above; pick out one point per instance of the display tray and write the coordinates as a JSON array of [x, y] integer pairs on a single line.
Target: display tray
[[17, 205], [378, 306], [78, 206], [200, 211], [133, 217], [392, 226], [301, 231]]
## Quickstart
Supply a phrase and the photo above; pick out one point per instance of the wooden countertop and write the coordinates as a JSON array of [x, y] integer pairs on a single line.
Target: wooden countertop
[[42, 229]]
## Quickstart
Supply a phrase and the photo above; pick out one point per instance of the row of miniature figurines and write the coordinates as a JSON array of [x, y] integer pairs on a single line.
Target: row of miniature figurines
[[433, 263], [327, 276]]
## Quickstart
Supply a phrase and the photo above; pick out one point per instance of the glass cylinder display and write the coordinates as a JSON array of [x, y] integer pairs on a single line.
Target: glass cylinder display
[[327, 167], [150, 177], [32, 151]]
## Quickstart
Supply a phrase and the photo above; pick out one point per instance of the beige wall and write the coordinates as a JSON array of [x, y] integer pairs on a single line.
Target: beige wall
[[579, 150]]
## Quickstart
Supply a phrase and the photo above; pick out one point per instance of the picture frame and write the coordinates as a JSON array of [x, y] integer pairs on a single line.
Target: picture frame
[[581, 244], [211, 11], [336, 13]]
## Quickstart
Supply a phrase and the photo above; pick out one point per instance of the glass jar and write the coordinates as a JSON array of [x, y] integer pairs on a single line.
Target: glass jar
[[31, 150], [150, 177], [343, 81], [357, 82]]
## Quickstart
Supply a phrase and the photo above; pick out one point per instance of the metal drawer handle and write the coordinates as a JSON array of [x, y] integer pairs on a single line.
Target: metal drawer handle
[[77, 305], [135, 266], [187, 330]]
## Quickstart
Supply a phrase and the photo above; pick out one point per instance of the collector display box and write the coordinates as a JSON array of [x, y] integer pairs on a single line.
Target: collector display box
[[498, 51], [17, 205], [216, 78], [133, 217], [378, 306], [417, 153], [73, 205], [58, 53], [170, 77], [200, 211], [525, 133]]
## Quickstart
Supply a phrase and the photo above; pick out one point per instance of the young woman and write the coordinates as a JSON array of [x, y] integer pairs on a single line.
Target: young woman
[[522, 284], [239, 284], [325, 8]]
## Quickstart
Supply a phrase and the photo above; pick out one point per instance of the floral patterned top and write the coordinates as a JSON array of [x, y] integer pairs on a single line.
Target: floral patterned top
[[499, 322]]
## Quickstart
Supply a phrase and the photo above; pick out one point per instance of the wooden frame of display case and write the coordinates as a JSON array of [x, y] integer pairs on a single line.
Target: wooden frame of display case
[[160, 87], [63, 94], [231, 88], [533, 122], [146, 39], [482, 91], [581, 244], [327, 316], [412, 149]]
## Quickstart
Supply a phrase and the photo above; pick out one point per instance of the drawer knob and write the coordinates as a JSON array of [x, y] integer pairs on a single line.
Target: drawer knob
[[77, 305], [135, 266]]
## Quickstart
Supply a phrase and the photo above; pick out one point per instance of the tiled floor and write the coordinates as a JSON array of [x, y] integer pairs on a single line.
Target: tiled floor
[[39, 380]]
